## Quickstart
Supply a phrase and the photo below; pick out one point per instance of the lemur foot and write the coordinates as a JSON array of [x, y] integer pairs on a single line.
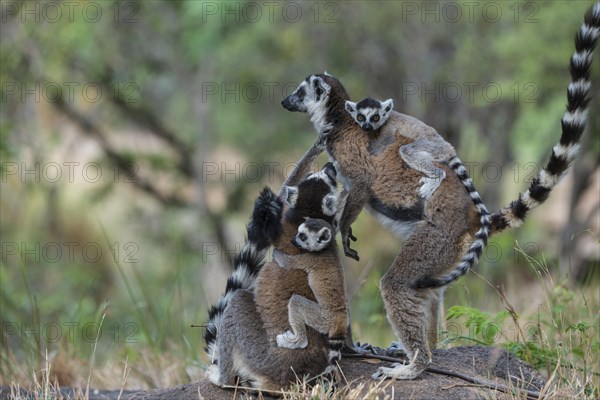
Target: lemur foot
[[364, 349], [396, 350], [429, 186], [398, 371], [288, 340]]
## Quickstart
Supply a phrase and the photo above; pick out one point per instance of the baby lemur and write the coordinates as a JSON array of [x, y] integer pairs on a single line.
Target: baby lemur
[[329, 313], [428, 146], [242, 339], [435, 229]]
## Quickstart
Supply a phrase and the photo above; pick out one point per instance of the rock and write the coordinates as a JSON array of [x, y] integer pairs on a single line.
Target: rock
[[493, 365]]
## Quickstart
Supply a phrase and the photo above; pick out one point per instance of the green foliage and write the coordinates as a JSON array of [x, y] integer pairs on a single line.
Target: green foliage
[[484, 326], [563, 339]]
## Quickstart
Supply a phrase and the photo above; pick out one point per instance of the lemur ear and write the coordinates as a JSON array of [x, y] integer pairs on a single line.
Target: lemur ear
[[320, 87], [350, 106], [387, 105], [290, 195], [329, 204], [324, 235]]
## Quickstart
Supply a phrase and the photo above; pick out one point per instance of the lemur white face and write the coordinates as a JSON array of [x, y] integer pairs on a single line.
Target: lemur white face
[[311, 97], [313, 235], [370, 114]]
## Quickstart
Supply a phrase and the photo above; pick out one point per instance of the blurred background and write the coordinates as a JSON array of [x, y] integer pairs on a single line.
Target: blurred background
[[136, 135]]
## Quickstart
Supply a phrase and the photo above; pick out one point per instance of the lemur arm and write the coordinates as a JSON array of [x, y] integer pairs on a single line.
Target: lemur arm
[[357, 198], [303, 165]]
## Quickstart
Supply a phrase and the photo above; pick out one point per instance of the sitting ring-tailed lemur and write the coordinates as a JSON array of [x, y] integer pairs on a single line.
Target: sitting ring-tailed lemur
[[435, 229], [242, 330], [329, 313]]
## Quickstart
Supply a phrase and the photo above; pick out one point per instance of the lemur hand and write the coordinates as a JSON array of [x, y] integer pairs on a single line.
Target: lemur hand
[[349, 252], [351, 236]]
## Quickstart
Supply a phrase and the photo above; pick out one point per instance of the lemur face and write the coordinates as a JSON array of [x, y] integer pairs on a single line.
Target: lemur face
[[370, 114], [308, 96], [313, 235]]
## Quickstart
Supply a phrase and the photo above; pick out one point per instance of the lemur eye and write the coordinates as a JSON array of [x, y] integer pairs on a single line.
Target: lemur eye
[[360, 117], [375, 118], [302, 236]]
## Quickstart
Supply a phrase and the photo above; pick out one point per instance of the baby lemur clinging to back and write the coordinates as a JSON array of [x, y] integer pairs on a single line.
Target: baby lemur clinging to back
[[428, 146], [243, 326], [329, 313]]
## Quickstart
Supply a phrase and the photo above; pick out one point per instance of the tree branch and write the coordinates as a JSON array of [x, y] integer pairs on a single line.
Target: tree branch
[[122, 163]]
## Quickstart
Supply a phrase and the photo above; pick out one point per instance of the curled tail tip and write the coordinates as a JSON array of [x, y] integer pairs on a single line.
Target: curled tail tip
[[266, 225], [593, 15]]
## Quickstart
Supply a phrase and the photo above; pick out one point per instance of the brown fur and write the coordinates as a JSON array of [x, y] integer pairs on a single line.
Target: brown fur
[[326, 280], [251, 321], [439, 225], [435, 244]]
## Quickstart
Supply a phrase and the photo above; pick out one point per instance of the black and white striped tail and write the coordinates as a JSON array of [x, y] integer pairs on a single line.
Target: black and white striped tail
[[563, 154], [573, 125], [474, 252], [334, 356], [265, 225]]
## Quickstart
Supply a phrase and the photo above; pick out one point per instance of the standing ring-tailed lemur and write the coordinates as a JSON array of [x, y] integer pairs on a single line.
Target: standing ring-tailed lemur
[[243, 348], [435, 229], [329, 313], [427, 148]]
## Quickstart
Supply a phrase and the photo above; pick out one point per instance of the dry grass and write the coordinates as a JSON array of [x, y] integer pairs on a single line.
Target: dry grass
[[560, 336]]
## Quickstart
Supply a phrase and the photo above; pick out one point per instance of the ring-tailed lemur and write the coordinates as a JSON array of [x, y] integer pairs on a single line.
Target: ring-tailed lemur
[[371, 114], [264, 226], [244, 349], [435, 229], [329, 313], [428, 147]]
